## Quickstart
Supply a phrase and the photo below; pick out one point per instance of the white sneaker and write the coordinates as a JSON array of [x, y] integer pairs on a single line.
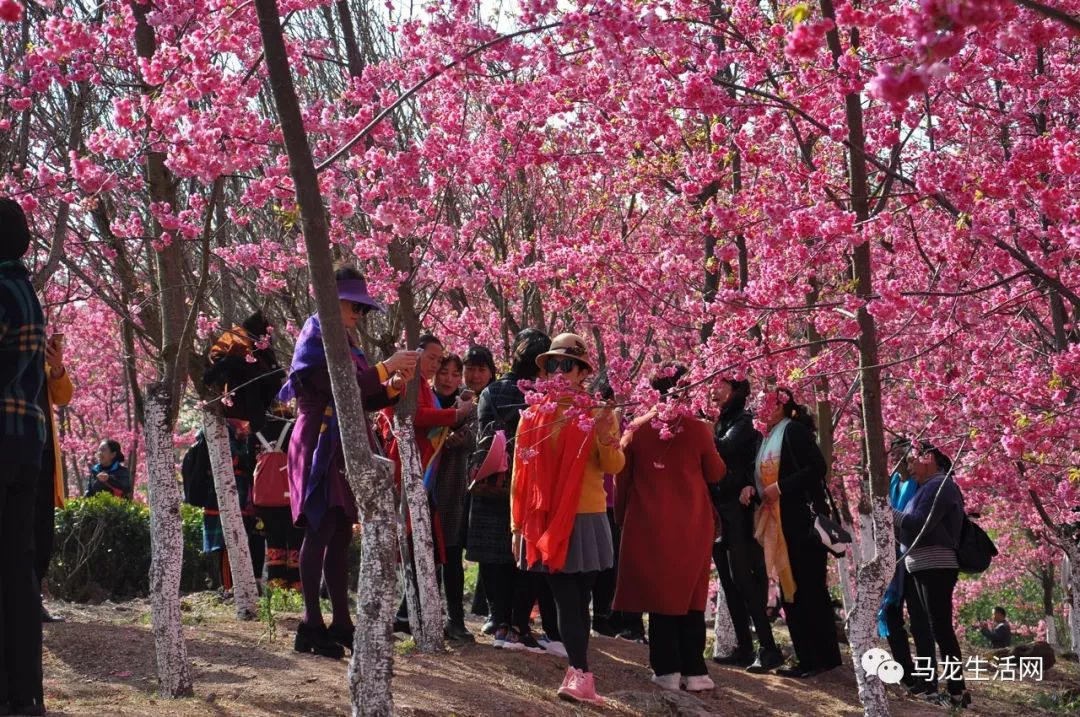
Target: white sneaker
[[668, 682], [551, 646], [699, 683]]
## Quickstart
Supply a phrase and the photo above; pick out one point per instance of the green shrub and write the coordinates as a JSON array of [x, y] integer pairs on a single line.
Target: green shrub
[[102, 550]]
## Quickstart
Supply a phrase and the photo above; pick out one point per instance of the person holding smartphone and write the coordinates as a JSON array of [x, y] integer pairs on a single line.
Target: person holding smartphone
[[452, 479]]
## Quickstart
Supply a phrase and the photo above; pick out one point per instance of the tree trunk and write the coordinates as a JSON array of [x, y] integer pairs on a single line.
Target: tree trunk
[[245, 591], [427, 622], [843, 572], [1072, 559], [723, 628], [874, 574], [167, 547], [371, 667], [371, 478]]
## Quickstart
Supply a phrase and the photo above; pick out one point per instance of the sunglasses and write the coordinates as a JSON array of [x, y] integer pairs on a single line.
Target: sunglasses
[[358, 307], [565, 365]]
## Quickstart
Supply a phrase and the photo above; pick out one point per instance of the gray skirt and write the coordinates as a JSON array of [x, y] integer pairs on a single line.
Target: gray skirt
[[590, 546]]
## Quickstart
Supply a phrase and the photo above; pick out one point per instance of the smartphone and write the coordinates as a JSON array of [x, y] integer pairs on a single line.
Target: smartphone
[[466, 395]]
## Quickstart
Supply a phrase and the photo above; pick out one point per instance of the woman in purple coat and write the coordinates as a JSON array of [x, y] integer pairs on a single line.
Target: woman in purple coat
[[322, 501]]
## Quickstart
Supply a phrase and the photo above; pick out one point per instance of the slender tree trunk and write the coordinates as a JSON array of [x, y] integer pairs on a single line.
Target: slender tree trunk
[[427, 622], [167, 547], [724, 642], [245, 591], [371, 478], [1072, 573], [371, 667], [874, 573]]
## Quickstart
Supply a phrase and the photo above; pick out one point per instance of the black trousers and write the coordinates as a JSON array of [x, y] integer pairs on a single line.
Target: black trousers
[[740, 565], [499, 580], [256, 545], [20, 599], [935, 590], [810, 617], [572, 593], [604, 589], [677, 643], [920, 630], [453, 582], [44, 517], [531, 588]]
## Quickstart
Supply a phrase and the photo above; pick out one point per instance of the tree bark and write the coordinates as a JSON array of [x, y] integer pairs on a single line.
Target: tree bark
[[245, 591], [427, 622], [167, 547], [724, 641], [1072, 559], [371, 478], [874, 574]]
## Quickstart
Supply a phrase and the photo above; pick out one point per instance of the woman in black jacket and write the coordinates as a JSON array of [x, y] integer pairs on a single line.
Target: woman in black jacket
[[789, 479], [109, 473], [740, 562], [929, 530]]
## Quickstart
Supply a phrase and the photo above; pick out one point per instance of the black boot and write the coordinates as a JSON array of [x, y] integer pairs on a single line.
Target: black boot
[[458, 631], [316, 639], [766, 660], [741, 657], [342, 636]]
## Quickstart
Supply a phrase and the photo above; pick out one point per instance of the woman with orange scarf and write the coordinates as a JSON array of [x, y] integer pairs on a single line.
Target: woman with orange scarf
[[790, 481], [558, 504]]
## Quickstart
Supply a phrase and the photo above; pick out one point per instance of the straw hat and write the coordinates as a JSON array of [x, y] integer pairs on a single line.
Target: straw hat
[[567, 346]]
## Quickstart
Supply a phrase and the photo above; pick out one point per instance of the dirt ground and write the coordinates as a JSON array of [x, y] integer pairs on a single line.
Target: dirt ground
[[100, 662]]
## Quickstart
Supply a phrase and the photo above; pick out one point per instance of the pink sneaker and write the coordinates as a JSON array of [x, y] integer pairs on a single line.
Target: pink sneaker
[[567, 679], [581, 687]]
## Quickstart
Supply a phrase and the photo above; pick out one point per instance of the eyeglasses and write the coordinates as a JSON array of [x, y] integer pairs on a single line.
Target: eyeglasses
[[358, 308], [565, 365]]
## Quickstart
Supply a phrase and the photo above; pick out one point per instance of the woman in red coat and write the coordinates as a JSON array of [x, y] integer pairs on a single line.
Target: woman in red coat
[[663, 505]]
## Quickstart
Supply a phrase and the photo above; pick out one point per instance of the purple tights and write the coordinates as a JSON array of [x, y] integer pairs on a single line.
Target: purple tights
[[325, 553]]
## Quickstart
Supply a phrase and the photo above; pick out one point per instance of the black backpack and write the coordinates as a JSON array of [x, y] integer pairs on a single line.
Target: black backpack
[[975, 550], [198, 480]]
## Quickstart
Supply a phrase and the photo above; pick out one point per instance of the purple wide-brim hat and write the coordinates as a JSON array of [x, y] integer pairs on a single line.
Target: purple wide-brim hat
[[356, 290]]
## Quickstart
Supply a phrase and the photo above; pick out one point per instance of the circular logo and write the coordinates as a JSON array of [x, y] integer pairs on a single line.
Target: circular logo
[[872, 660], [890, 672]]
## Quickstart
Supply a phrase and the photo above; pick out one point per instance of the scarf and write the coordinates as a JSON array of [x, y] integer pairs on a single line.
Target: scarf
[[767, 526], [549, 468], [310, 354], [98, 468], [437, 435]]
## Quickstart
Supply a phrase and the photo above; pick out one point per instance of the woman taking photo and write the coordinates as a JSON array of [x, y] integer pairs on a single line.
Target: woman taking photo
[[930, 523], [790, 483], [558, 504], [662, 503], [511, 593], [452, 479], [321, 499], [109, 474]]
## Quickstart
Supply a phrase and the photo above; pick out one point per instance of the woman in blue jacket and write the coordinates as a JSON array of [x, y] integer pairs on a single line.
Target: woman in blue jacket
[[937, 512]]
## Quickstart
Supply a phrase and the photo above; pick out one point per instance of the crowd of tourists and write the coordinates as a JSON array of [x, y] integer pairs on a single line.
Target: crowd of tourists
[[598, 514]]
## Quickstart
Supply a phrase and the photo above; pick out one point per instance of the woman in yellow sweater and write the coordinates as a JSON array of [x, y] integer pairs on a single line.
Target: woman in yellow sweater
[[558, 504]]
